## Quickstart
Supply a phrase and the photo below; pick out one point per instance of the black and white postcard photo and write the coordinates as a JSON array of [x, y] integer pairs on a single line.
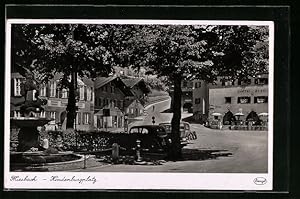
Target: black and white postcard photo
[[139, 104]]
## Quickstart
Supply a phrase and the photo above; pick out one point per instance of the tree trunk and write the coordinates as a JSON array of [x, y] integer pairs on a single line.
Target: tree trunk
[[71, 107], [175, 152]]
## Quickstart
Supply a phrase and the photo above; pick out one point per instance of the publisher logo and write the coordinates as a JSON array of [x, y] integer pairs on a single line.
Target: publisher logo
[[260, 181]]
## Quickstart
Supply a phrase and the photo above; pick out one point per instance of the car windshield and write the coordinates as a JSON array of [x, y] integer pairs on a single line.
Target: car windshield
[[139, 130], [187, 127], [134, 130], [161, 132], [166, 126], [160, 129]]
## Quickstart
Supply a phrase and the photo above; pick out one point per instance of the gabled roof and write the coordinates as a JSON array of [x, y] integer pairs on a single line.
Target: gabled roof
[[131, 82], [128, 102], [102, 81]]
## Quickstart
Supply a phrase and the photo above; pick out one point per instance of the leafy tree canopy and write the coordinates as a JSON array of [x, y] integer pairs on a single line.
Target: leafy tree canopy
[[202, 52], [91, 50]]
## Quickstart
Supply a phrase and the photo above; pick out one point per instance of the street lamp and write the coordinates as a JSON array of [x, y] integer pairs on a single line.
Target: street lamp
[[153, 120], [126, 123]]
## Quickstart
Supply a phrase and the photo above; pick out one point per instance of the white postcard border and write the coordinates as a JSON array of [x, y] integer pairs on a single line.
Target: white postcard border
[[139, 181]]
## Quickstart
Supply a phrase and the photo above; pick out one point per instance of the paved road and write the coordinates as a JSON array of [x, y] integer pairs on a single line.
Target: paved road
[[159, 107], [248, 148]]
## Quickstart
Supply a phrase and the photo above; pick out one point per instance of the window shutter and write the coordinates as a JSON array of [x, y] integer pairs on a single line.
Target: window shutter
[[47, 114], [85, 93], [12, 85], [79, 117], [60, 93], [40, 90], [77, 92], [83, 114], [48, 90], [90, 118], [57, 93], [55, 89]]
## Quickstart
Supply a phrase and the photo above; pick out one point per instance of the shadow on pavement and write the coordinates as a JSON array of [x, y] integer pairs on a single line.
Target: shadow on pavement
[[160, 158], [167, 111], [203, 154]]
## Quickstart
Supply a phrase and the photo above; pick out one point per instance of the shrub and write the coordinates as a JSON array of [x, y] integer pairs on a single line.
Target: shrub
[[51, 150]]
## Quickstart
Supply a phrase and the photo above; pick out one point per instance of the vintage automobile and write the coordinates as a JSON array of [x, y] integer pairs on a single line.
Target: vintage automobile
[[185, 131], [153, 138]]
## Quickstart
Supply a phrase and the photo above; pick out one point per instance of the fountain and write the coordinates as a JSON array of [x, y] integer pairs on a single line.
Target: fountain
[[28, 136], [30, 153]]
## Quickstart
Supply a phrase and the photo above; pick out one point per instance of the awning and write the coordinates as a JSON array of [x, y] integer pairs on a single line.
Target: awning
[[216, 114], [263, 114], [239, 114]]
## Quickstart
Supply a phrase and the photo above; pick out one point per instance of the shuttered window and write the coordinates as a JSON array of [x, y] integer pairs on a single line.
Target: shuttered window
[[17, 87], [88, 94], [81, 93], [53, 89], [77, 118], [43, 114], [52, 115], [17, 114], [43, 91], [64, 93], [86, 118]]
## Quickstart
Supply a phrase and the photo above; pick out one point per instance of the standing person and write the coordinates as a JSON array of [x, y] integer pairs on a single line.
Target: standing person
[[45, 143], [153, 107], [59, 143]]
